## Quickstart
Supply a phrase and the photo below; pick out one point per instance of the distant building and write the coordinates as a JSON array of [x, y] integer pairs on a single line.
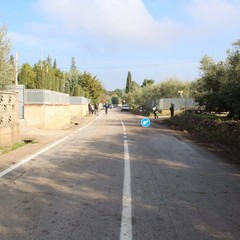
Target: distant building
[[180, 104]]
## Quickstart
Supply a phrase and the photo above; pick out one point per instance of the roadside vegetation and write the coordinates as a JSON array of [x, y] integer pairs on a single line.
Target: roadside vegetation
[[45, 74], [6, 149], [7, 71], [209, 128], [217, 90]]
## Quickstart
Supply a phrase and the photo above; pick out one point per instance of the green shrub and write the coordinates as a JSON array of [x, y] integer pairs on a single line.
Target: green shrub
[[210, 127]]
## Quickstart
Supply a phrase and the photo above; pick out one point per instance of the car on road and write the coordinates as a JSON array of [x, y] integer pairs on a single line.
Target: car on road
[[125, 107]]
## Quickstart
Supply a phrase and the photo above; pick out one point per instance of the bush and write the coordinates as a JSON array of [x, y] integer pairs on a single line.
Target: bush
[[209, 127]]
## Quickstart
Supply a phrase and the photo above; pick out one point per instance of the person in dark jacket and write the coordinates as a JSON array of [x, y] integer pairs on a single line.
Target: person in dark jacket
[[96, 109], [90, 108], [155, 111], [106, 106], [171, 109]]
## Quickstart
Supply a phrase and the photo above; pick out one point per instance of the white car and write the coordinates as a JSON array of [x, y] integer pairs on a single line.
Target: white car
[[125, 107]]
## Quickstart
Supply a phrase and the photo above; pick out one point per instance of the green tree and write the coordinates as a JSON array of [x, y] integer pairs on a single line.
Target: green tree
[[42, 69], [7, 71], [210, 85], [128, 83], [27, 76], [232, 85], [115, 100], [141, 96], [170, 89], [73, 65], [73, 78], [147, 82], [119, 93], [219, 86], [105, 96], [49, 60], [55, 64], [45, 75], [12, 61], [59, 77], [92, 87], [133, 88]]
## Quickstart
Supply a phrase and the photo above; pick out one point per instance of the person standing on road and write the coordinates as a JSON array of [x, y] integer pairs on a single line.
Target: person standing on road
[[106, 105], [96, 109], [90, 108], [155, 111], [171, 109]]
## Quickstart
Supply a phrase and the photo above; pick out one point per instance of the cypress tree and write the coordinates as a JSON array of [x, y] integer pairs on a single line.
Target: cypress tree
[[128, 83]]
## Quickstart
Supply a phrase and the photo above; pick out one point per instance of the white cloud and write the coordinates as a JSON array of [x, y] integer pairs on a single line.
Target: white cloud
[[125, 20], [122, 23], [33, 41], [217, 14], [27, 39]]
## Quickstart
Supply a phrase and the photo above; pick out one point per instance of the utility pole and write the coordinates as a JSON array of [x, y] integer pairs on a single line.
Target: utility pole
[[16, 69]]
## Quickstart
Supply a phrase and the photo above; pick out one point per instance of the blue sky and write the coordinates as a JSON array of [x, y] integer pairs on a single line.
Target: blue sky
[[154, 39]]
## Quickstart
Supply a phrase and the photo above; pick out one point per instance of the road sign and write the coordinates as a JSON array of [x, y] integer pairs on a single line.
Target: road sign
[[145, 122]]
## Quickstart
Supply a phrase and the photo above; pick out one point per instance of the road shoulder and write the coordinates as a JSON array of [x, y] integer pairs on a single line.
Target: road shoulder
[[38, 139]]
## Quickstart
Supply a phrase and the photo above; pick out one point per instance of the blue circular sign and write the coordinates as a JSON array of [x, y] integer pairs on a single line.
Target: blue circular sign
[[145, 122]]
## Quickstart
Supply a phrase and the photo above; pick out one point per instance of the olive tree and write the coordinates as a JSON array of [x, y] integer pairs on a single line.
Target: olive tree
[[219, 86], [7, 71]]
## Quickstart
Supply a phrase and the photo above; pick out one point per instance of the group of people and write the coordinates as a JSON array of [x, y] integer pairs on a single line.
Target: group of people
[[155, 110], [93, 108]]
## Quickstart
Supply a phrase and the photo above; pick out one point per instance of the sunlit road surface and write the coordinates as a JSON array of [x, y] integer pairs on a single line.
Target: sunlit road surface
[[115, 179]]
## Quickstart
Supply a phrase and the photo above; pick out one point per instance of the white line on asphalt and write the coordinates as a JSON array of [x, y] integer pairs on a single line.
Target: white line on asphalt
[[126, 224], [6, 171], [124, 129]]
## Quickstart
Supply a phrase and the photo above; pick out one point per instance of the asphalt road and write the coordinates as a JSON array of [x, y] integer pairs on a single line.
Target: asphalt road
[[115, 179]]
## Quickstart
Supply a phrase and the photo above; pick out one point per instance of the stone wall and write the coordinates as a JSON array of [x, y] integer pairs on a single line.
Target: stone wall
[[52, 110], [52, 116], [9, 126], [78, 110], [47, 116]]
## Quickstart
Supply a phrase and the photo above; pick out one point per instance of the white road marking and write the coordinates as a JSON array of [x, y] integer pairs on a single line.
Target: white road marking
[[31, 157], [6, 171], [126, 224], [124, 129]]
